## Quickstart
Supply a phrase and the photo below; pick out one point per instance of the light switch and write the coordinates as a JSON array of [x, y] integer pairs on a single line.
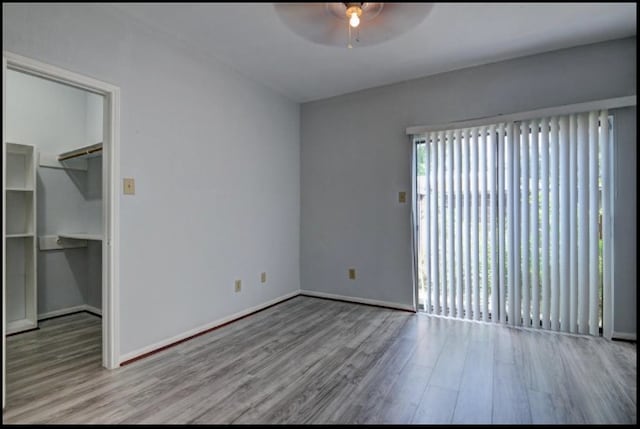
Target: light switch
[[352, 273], [129, 186], [402, 197], [238, 285], [263, 277]]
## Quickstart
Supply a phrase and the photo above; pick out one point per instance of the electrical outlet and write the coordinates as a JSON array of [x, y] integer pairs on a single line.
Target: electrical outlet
[[402, 197], [352, 273], [238, 285], [263, 277], [129, 186]]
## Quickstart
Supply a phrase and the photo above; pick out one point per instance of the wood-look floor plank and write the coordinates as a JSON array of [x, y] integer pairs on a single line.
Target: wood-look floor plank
[[510, 399], [311, 360], [437, 330], [367, 391], [475, 395], [317, 389], [286, 346], [448, 370], [401, 402], [604, 387], [436, 406], [348, 336]]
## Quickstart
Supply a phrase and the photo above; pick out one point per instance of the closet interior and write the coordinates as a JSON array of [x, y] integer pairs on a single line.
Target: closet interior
[[53, 200]]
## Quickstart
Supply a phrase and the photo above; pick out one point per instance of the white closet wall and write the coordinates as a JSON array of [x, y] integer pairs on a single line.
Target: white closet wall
[[93, 134], [93, 200], [56, 118], [93, 290]]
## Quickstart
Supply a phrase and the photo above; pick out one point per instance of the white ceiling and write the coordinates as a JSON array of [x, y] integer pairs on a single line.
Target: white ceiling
[[251, 38]]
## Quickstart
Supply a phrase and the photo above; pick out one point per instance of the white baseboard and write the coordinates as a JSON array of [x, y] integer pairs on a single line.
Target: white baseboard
[[69, 310], [623, 336], [358, 300], [200, 329], [94, 310], [19, 326], [61, 312]]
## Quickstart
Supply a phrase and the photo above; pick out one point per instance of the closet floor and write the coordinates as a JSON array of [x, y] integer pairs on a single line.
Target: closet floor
[[311, 360]]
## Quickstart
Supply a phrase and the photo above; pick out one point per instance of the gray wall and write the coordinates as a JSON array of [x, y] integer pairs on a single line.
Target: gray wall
[[216, 159], [355, 157], [625, 229]]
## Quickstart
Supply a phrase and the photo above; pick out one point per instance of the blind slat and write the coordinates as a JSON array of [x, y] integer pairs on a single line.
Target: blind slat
[[563, 259], [493, 237], [467, 224], [442, 298], [510, 221], [458, 224], [427, 224], [573, 224], [544, 221], [583, 215], [435, 260], [535, 215], [554, 235], [501, 227], [517, 295], [607, 317], [450, 299], [483, 222], [594, 216], [524, 218], [474, 223]]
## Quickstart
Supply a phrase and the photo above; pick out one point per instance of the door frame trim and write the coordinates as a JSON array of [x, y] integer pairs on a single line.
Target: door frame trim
[[110, 195]]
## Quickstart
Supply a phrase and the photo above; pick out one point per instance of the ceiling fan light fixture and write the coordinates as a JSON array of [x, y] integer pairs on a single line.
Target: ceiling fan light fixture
[[329, 23], [354, 21], [354, 11]]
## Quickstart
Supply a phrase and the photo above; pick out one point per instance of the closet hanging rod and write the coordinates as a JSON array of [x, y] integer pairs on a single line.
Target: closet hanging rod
[[83, 151]]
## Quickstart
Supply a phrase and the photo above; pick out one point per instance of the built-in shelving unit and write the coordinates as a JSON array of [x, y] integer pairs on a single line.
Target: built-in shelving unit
[[20, 231]]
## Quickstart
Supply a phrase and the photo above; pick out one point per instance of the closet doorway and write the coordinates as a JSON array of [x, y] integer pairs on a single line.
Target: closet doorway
[[60, 212]]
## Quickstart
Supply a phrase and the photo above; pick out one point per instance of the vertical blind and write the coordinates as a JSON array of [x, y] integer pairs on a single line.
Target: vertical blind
[[511, 219]]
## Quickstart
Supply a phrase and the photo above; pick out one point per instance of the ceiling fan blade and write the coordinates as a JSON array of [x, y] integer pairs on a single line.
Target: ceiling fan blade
[[303, 13], [311, 21], [402, 15], [393, 20]]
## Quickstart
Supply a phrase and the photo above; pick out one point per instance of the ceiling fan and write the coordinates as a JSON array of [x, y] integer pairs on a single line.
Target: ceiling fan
[[351, 24]]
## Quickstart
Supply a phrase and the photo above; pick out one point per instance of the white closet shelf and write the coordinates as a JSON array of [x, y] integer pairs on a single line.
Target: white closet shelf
[[20, 235], [82, 152], [19, 148], [18, 189], [55, 242], [81, 236]]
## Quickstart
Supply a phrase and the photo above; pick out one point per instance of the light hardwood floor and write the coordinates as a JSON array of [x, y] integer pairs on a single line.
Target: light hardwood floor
[[310, 360]]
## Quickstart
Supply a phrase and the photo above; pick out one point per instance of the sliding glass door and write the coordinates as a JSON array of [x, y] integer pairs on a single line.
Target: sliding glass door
[[512, 221]]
